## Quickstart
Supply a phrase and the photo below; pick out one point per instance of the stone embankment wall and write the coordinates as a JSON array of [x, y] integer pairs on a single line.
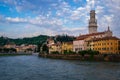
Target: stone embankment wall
[[115, 58]]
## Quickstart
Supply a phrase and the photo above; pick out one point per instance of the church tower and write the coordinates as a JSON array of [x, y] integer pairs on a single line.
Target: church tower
[[92, 22]]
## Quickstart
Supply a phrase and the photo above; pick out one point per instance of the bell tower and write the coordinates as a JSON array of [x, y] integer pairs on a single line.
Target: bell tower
[[92, 22]]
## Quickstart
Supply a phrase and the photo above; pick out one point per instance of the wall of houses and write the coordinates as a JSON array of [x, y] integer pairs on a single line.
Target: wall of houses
[[79, 45], [67, 46], [108, 46]]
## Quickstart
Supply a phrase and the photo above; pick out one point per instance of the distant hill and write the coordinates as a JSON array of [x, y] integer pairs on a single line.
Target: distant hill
[[35, 40]]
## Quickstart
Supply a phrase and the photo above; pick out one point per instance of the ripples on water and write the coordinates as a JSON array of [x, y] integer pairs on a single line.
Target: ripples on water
[[36, 68]]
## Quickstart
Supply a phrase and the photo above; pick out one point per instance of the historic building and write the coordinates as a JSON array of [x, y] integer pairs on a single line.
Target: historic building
[[79, 44], [67, 46], [105, 45], [103, 42], [82, 41], [26, 48], [92, 22], [53, 46]]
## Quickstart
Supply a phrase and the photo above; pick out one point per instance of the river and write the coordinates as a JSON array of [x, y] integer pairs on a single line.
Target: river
[[32, 67]]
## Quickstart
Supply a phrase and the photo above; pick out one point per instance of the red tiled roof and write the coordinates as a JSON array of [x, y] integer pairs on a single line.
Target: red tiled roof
[[68, 42], [106, 38], [81, 37]]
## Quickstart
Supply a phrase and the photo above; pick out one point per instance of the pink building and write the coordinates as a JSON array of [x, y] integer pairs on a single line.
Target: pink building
[[79, 44]]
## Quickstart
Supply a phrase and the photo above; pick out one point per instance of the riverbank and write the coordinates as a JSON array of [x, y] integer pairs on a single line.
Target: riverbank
[[111, 58], [14, 54]]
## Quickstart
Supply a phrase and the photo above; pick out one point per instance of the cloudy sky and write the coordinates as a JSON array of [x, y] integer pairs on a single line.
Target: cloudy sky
[[27, 18]]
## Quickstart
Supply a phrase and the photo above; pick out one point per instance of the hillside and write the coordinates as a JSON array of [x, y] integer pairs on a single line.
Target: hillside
[[35, 40]]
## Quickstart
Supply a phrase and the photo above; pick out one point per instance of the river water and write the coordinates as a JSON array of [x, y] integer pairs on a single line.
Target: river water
[[36, 68]]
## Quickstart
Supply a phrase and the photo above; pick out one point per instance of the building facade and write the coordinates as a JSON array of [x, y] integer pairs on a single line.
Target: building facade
[[82, 41], [53, 46], [67, 46], [79, 44], [105, 45], [92, 22]]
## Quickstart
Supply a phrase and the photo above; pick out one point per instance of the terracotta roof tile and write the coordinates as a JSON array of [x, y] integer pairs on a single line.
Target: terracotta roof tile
[[82, 37], [106, 38]]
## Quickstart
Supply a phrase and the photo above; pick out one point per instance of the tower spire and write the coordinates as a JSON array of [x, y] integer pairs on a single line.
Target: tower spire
[[108, 28], [92, 22]]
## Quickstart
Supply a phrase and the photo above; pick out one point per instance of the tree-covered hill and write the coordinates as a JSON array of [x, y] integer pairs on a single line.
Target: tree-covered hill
[[35, 40]]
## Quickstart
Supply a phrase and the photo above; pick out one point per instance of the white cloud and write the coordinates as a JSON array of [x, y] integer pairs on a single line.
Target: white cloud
[[79, 12], [75, 29], [99, 9], [108, 15], [58, 16], [38, 21], [17, 19]]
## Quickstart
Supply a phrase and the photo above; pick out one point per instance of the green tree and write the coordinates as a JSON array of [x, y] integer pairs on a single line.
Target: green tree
[[55, 52], [83, 52], [45, 48], [12, 49]]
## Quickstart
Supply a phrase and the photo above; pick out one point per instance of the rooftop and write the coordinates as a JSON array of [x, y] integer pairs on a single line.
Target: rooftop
[[82, 37], [106, 38]]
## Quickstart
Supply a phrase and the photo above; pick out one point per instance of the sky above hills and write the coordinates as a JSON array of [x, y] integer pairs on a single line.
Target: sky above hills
[[27, 18]]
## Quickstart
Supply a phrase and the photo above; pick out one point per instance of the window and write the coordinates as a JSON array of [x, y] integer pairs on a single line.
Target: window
[[118, 42], [102, 43], [111, 48], [119, 48], [103, 48]]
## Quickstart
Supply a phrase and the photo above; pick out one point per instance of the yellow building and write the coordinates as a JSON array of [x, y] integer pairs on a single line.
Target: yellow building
[[106, 45], [55, 48], [68, 46]]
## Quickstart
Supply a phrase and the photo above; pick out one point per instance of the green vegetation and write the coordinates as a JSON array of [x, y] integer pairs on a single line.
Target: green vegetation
[[89, 52], [7, 50], [33, 40], [64, 38], [55, 52], [3, 40], [68, 52], [45, 49]]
